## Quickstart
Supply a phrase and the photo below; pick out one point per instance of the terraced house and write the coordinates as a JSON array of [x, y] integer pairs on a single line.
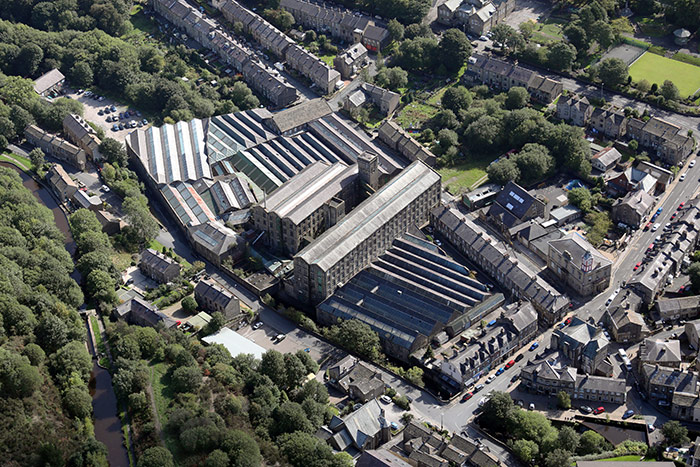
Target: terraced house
[[501, 75], [338, 22]]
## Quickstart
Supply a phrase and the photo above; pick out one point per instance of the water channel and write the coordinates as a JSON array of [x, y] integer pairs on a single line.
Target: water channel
[[104, 401]]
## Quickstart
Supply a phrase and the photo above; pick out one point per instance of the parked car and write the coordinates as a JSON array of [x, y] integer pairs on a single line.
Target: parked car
[[585, 409], [257, 325], [500, 371], [636, 266], [663, 404], [280, 337], [144, 121], [648, 226], [478, 387], [483, 38], [100, 112], [531, 406], [466, 397], [655, 227], [683, 176], [628, 414], [115, 127], [121, 126], [534, 346], [490, 379], [113, 108], [515, 378], [510, 364], [692, 163], [651, 428], [386, 399], [519, 357], [599, 411]]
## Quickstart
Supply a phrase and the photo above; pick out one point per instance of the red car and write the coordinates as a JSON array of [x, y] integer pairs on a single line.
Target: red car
[[467, 396], [673, 216], [651, 247], [599, 411], [680, 206], [568, 321], [510, 364], [637, 266], [648, 226]]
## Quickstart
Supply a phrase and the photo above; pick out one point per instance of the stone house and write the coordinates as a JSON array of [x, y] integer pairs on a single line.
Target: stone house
[[159, 267], [634, 209]]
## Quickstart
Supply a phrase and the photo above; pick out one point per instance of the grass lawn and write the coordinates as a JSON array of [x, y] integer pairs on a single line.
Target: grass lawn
[[22, 160], [415, 114], [328, 59], [143, 25], [630, 458], [461, 177], [548, 32], [655, 69], [121, 260]]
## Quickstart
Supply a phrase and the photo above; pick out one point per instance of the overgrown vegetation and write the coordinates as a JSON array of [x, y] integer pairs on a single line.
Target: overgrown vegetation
[[45, 406]]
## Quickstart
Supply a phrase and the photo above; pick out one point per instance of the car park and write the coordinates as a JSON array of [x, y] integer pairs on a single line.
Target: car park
[[465, 398], [627, 414], [599, 411]]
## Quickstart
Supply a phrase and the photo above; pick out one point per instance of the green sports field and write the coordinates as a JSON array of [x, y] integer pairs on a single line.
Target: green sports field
[[656, 69]]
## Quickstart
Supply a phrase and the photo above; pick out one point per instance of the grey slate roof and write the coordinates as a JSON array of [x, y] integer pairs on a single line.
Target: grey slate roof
[[48, 80], [359, 426], [658, 351], [158, 261], [299, 115], [213, 291], [369, 216], [215, 237]]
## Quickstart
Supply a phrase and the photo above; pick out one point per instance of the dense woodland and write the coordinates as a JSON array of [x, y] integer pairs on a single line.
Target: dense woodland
[[45, 406]]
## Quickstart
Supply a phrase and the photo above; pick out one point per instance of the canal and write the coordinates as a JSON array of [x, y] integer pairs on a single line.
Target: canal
[[104, 401]]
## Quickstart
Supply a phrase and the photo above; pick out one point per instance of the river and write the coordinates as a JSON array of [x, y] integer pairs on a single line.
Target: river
[[104, 401]]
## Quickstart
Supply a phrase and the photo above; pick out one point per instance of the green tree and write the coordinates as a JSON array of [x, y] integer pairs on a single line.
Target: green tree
[[187, 379], [518, 97], [141, 223], [502, 33], [305, 450], [189, 304], [272, 365], [81, 74], [526, 450], [526, 29], [396, 30], [280, 18], [674, 433], [156, 457], [558, 458], [70, 360], [114, 152], [289, 418], [242, 450], [29, 58], [18, 378], [217, 458], [38, 159], [100, 285], [295, 371], [561, 56], [590, 442], [613, 72], [670, 91], [503, 171], [51, 332], [694, 275], [77, 402], [568, 439], [534, 162], [359, 335], [456, 98], [392, 78], [453, 50], [496, 410], [603, 33], [581, 198], [599, 225]]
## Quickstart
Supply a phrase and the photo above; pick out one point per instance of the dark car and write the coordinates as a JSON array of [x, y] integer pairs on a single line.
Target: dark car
[[519, 357], [628, 414], [478, 387], [121, 126], [514, 378], [534, 345]]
